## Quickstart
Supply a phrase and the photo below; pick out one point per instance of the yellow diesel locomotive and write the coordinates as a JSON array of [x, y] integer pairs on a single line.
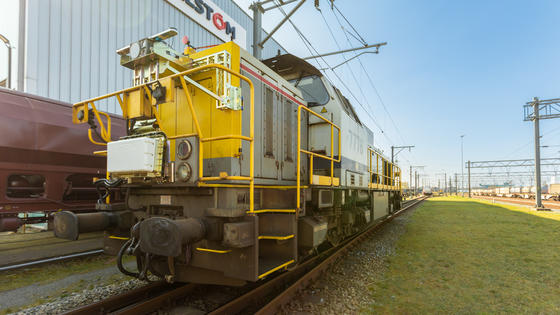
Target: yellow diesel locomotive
[[232, 168]]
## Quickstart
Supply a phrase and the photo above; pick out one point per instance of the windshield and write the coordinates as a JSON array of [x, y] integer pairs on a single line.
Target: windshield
[[313, 90]]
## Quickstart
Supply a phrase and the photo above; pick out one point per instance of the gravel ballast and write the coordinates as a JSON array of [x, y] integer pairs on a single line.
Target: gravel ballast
[[88, 296], [345, 288], [68, 293]]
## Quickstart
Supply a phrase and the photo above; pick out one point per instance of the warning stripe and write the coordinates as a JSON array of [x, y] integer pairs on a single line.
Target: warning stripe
[[265, 81]]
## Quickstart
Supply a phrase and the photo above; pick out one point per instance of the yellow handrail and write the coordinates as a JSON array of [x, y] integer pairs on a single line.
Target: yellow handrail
[[313, 154], [106, 132], [392, 180]]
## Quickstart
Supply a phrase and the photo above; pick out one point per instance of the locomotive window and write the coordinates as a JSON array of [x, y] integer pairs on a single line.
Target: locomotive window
[[313, 90], [25, 186], [269, 123]]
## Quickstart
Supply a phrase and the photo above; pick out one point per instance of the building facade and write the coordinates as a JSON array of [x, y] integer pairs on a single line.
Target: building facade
[[66, 48]]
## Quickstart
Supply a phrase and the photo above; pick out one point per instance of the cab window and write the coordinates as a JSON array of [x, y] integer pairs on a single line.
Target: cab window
[[313, 90]]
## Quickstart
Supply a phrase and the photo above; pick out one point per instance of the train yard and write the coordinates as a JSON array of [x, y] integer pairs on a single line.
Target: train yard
[[193, 157], [276, 294], [550, 205]]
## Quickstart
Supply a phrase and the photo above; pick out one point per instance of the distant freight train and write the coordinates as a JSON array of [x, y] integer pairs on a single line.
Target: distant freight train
[[548, 192], [44, 165]]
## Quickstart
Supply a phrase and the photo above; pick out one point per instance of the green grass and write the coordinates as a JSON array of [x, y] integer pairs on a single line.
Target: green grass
[[466, 256]]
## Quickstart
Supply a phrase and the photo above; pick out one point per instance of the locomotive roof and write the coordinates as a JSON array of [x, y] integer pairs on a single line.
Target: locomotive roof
[[291, 67]]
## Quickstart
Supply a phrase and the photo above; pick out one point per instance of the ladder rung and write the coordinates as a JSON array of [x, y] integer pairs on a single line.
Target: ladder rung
[[273, 211], [273, 237], [284, 265]]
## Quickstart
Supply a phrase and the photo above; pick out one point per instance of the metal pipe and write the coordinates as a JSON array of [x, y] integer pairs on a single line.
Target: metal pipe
[[346, 50], [9, 46], [281, 23], [358, 55], [298, 170], [282, 3], [69, 225]]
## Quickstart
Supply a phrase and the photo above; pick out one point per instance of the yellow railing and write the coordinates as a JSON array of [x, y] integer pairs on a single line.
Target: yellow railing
[[106, 132], [387, 175], [313, 154]]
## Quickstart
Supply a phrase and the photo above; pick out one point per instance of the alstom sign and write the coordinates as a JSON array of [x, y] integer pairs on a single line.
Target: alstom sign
[[208, 15]]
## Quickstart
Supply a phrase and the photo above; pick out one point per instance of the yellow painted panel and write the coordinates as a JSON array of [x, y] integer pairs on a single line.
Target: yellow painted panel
[[137, 105], [325, 180], [213, 122]]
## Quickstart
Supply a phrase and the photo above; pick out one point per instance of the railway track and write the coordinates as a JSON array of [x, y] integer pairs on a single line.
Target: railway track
[[25, 250], [52, 259], [308, 277], [277, 291]]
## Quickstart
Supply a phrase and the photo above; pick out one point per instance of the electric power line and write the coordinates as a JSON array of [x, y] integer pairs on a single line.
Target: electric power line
[[328, 66]]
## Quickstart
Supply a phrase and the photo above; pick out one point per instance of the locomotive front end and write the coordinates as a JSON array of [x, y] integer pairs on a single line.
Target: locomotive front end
[[184, 142]]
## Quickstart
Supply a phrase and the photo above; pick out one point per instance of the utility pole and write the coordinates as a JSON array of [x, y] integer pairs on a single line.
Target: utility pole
[[469, 168], [445, 183], [537, 155], [456, 185], [415, 181], [415, 175], [532, 112], [258, 10], [399, 148], [257, 29], [462, 169], [410, 181]]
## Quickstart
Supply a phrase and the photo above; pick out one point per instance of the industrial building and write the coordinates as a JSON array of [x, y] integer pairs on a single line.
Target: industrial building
[[65, 49]]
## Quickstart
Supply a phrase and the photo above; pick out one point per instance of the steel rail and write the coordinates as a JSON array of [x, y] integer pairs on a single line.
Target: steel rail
[[53, 259], [287, 295], [303, 274], [159, 294], [116, 302]]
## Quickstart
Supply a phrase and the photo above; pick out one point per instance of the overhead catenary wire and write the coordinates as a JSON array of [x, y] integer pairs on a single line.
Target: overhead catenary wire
[[347, 65], [360, 39], [352, 26], [309, 46], [370, 80], [307, 42]]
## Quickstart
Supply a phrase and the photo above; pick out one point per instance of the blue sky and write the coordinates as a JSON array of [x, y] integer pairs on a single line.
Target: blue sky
[[450, 68]]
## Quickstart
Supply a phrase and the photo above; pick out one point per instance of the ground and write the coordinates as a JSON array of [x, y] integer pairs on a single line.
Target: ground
[[466, 256], [42, 284]]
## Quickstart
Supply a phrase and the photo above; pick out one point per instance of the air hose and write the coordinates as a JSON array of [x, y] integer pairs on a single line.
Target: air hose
[[103, 186], [120, 255]]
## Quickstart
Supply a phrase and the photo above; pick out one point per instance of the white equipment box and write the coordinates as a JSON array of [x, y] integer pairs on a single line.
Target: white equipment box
[[138, 155]]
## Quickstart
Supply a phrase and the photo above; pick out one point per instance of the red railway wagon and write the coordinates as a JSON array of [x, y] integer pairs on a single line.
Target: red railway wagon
[[45, 164]]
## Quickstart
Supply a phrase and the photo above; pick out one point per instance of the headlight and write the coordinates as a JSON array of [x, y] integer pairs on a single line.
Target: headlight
[[184, 172], [184, 149]]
